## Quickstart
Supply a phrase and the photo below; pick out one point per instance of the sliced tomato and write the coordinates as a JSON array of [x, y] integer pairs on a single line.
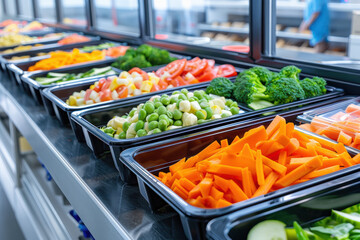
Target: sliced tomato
[[208, 75], [138, 85], [226, 70], [174, 68], [182, 81], [211, 62], [192, 64], [175, 82], [105, 95], [123, 91], [200, 68], [155, 88], [144, 75], [162, 84], [98, 87], [87, 94]]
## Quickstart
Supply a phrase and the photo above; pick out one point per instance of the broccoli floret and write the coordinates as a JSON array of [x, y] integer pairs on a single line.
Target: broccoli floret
[[159, 57], [119, 61], [138, 61], [321, 83], [290, 72], [264, 74], [283, 90], [131, 52], [310, 87], [144, 50], [221, 86], [248, 73], [248, 88]]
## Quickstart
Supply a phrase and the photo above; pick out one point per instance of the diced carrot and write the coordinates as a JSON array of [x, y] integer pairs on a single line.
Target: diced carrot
[[187, 184], [322, 172], [259, 169], [269, 182], [195, 192], [216, 194], [177, 166], [344, 138], [222, 203], [224, 143], [237, 193], [301, 171]]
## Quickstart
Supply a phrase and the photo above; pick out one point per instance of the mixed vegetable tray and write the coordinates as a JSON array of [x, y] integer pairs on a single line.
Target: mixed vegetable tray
[[216, 143]]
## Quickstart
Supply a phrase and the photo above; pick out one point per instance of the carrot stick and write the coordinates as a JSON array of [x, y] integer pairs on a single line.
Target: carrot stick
[[265, 188], [221, 183], [224, 169], [300, 172], [259, 169], [322, 172], [246, 182], [224, 143], [274, 165], [222, 203], [237, 193], [274, 125], [177, 166], [205, 186], [282, 158], [205, 152]]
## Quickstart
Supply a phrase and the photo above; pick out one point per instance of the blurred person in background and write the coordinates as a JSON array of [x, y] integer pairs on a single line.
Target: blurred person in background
[[317, 19]]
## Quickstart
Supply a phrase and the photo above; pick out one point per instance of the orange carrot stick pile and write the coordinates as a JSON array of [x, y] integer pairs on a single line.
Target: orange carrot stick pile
[[342, 127], [263, 160], [60, 58]]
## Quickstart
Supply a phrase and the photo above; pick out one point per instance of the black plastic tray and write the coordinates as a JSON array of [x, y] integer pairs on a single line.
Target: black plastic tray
[[146, 160], [54, 98], [305, 207], [33, 87]]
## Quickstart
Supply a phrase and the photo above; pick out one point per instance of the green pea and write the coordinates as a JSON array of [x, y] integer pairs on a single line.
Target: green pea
[[109, 130], [228, 102], [141, 133], [224, 115], [163, 117], [173, 100], [122, 135], [178, 123], [192, 99], [207, 97], [182, 97], [126, 126], [161, 110], [204, 104], [234, 110], [177, 114], [184, 91], [153, 125], [234, 104], [165, 101], [149, 107], [209, 112], [139, 125], [163, 125], [171, 122], [200, 121], [178, 103], [124, 116], [153, 117], [200, 115], [158, 104], [142, 115], [175, 92], [156, 100], [156, 130], [198, 94], [169, 114], [132, 112]]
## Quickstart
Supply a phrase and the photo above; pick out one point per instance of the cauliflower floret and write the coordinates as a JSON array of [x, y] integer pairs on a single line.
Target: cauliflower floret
[[195, 106], [189, 119], [219, 102], [135, 118], [131, 133], [118, 122], [185, 106], [171, 107], [111, 123]]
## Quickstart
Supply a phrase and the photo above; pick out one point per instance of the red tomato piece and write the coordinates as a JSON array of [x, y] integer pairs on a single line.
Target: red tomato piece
[[181, 80], [174, 68], [155, 88], [106, 85], [137, 85], [226, 70], [105, 95], [208, 75], [123, 91], [175, 82], [162, 84], [144, 75], [98, 87], [211, 62], [87, 94], [200, 68], [192, 64]]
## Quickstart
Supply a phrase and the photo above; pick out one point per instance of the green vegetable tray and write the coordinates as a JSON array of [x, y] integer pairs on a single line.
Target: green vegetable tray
[[306, 207]]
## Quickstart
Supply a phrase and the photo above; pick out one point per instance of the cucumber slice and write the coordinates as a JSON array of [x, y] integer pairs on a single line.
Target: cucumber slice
[[46, 81], [346, 218], [268, 230], [53, 74]]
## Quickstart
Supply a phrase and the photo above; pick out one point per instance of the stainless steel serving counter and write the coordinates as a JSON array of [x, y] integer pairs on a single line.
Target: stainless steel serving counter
[[109, 208]]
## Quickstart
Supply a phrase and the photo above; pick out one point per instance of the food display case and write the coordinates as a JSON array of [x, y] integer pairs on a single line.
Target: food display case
[[140, 121]]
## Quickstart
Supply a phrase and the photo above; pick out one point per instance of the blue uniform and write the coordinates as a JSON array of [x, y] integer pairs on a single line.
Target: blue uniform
[[320, 27]]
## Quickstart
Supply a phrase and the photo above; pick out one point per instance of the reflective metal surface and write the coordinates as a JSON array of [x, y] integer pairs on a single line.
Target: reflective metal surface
[[107, 206]]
